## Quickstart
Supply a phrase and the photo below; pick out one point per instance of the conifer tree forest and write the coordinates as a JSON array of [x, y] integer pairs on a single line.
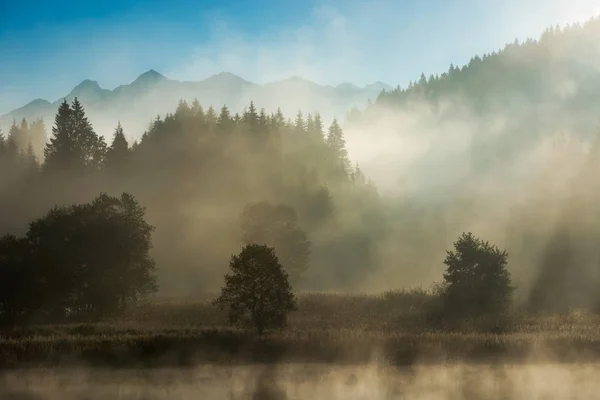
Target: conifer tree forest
[[202, 182], [196, 171], [450, 225]]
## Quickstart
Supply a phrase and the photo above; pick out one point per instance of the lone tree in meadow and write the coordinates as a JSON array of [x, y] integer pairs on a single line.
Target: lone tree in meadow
[[257, 291], [476, 282]]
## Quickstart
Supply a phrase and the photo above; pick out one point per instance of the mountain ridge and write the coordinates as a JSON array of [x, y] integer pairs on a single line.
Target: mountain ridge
[[152, 76], [152, 93]]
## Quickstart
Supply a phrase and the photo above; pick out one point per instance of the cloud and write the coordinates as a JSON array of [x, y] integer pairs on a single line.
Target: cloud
[[321, 50], [363, 42]]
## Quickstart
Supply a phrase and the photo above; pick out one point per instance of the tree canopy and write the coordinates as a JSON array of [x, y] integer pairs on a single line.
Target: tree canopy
[[77, 262], [257, 291], [476, 280]]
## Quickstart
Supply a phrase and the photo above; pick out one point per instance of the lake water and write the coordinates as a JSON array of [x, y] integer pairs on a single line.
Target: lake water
[[306, 381]]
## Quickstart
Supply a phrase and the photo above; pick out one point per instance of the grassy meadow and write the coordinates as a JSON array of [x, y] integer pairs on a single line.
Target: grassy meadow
[[327, 328]]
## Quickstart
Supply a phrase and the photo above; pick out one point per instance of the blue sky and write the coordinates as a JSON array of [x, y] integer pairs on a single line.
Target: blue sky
[[47, 47]]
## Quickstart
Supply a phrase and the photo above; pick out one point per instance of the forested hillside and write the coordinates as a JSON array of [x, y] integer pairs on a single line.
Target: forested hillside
[[197, 171], [502, 103], [559, 73], [505, 147]]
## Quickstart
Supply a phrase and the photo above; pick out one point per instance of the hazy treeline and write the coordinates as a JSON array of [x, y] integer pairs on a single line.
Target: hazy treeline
[[196, 171], [502, 147], [505, 146]]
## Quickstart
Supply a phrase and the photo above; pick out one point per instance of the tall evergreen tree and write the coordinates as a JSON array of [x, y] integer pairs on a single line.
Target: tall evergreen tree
[[251, 117], [278, 119], [24, 138], [183, 109], [117, 155], [225, 123], [37, 135], [299, 125], [211, 117], [90, 147], [310, 124], [14, 133], [318, 125], [30, 163], [197, 109], [263, 119], [59, 153], [337, 144]]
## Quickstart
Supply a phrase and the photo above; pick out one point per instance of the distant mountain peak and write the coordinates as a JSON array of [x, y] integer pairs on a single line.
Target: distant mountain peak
[[226, 77], [149, 77], [86, 89], [87, 84]]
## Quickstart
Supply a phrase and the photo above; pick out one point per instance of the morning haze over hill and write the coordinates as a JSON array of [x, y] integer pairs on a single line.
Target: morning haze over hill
[[260, 216], [152, 94]]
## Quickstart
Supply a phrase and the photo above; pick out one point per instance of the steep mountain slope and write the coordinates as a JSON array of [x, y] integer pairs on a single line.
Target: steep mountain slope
[[137, 103]]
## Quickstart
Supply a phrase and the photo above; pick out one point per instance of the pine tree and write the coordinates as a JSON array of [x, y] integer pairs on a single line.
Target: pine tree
[[310, 124], [117, 154], [357, 175], [278, 120], [251, 116], [211, 117], [24, 138], [38, 136], [299, 125], [225, 123], [183, 109], [337, 144], [318, 128], [90, 148], [30, 162], [14, 133], [59, 153], [263, 119], [197, 109]]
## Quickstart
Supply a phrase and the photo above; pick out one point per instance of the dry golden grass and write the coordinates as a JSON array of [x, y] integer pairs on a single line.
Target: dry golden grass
[[327, 328]]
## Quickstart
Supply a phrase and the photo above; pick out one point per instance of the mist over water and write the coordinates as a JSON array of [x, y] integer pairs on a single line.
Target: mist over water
[[304, 381]]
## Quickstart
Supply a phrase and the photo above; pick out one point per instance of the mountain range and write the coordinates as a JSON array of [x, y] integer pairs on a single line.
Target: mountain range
[[151, 94]]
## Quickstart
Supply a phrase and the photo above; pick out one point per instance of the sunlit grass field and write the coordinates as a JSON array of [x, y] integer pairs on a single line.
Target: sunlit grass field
[[327, 328]]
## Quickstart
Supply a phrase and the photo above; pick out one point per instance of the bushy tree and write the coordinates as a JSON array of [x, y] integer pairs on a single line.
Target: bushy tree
[[83, 261], [257, 290], [476, 282]]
